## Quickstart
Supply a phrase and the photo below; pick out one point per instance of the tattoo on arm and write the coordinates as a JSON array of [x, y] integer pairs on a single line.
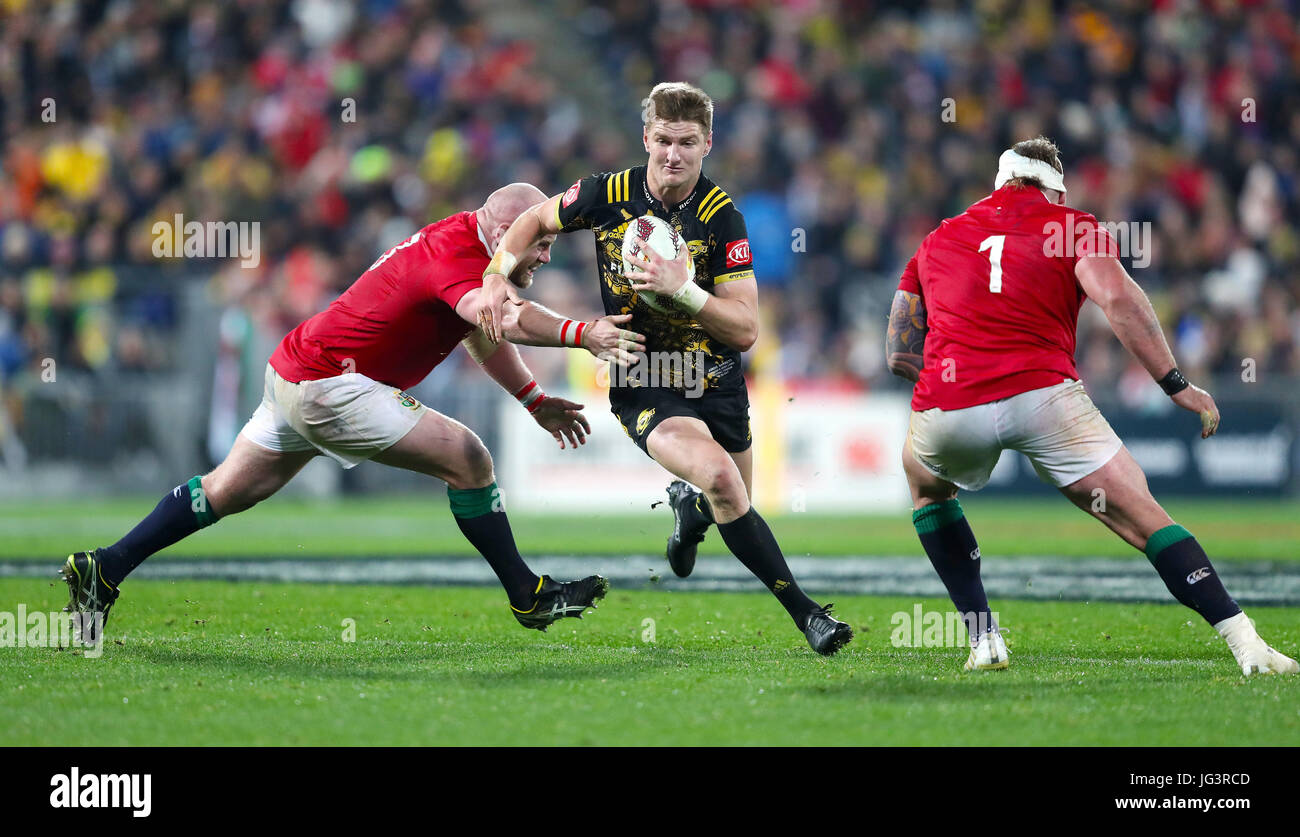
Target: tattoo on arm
[[905, 340]]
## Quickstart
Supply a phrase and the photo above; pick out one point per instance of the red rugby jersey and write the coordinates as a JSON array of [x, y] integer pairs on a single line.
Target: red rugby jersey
[[1002, 302], [398, 321]]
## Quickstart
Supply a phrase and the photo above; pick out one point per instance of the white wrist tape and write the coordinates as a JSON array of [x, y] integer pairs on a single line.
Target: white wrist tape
[[479, 347], [503, 262], [690, 297]]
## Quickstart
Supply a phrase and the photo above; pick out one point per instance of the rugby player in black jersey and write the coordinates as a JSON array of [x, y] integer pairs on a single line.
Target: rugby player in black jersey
[[690, 410]]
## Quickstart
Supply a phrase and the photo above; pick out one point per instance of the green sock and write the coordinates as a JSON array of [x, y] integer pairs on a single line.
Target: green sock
[[481, 516]]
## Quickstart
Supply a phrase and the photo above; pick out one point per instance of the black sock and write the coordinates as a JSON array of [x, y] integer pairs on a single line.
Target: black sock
[[1187, 572], [752, 542], [696, 515], [482, 520], [180, 513], [951, 547]]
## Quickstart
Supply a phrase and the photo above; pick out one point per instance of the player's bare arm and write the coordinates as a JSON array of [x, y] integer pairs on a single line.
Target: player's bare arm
[[502, 363], [530, 324], [527, 323], [1134, 322], [905, 338], [526, 233], [729, 314]]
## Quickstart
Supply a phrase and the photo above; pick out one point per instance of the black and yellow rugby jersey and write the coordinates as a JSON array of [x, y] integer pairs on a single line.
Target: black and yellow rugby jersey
[[713, 228]]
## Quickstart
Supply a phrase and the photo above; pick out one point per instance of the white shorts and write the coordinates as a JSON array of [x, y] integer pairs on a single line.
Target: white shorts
[[349, 417], [1057, 428]]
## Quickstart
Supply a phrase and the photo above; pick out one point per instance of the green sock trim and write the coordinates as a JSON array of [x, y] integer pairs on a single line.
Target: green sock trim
[[203, 512], [935, 516], [1163, 538], [473, 502]]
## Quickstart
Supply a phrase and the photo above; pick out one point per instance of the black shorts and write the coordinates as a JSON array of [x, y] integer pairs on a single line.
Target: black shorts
[[640, 409]]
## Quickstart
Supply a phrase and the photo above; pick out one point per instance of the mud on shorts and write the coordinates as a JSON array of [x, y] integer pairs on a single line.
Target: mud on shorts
[[1057, 428], [349, 417], [640, 409]]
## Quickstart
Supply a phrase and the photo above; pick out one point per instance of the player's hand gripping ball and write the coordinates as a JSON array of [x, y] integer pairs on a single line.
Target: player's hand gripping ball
[[666, 241]]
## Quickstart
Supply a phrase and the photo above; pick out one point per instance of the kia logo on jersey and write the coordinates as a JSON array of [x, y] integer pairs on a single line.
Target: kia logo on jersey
[[738, 252], [572, 195]]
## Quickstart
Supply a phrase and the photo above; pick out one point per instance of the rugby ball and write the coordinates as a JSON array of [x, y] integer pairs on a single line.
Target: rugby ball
[[666, 241]]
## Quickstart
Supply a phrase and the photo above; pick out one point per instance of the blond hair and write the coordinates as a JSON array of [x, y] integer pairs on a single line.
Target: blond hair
[[677, 101]]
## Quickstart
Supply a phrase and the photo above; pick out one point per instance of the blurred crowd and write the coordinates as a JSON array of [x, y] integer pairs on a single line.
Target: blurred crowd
[[844, 130]]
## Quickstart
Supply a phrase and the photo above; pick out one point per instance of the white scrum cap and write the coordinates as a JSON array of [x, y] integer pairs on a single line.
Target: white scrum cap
[[1011, 164]]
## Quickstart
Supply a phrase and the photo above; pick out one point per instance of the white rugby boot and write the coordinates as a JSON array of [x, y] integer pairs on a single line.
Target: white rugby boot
[[988, 652], [1253, 654]]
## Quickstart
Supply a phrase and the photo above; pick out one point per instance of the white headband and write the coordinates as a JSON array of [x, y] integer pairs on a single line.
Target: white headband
[[1011, 164]]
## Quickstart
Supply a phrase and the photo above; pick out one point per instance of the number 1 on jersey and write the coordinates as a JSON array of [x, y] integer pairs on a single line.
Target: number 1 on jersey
[[994, 245]]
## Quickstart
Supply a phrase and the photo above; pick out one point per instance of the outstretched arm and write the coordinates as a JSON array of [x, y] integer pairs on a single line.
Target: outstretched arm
[[905, 339], [1134, 322], [502, 363], [529, 324]]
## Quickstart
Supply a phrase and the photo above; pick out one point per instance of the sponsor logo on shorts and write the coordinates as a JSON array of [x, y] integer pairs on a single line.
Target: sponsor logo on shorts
[[643, 420], [571, 195], [405, 400], [738, 253], [1197, 575]]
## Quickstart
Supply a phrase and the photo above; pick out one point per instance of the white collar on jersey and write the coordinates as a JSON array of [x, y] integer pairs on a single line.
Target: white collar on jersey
[[1011, 164], [478, 229]]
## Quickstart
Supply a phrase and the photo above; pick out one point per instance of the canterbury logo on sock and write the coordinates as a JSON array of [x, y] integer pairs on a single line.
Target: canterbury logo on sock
[[1197, 575]]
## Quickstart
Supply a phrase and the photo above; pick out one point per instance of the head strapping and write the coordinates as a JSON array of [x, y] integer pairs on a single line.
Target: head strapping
[[1011, 164]]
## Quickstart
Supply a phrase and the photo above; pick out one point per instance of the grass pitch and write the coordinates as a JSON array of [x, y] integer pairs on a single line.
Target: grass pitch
[[412, 525], [215, 663]]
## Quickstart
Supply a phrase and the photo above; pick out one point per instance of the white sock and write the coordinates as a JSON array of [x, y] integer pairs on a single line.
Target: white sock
[[1236, 629]]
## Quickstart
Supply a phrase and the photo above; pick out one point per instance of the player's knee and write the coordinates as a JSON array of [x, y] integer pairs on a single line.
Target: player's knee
[[475, 462], [722, 483], [226, 496], [230, 490], [936, 491]]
